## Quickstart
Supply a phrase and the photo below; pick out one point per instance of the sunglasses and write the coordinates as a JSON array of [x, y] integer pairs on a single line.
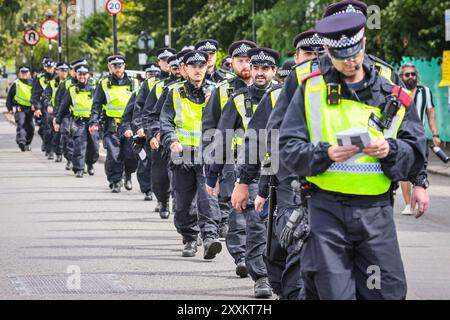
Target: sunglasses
[[410, 74]]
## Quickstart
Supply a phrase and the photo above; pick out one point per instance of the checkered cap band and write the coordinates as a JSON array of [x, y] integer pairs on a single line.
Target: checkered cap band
[[349, 9], [196, 58], [117, 60], [241, 50], [313, 41], [174, 63], [344, 41], [208, 46], [262, 57], [165, 54]]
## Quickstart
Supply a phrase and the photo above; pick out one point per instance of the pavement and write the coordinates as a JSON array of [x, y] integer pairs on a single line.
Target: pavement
[[68, 238]]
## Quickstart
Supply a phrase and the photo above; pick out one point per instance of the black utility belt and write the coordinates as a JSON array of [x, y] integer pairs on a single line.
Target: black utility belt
[[353, 200]]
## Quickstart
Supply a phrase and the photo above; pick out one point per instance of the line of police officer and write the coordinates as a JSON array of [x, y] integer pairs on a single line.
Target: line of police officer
[[324, 241]]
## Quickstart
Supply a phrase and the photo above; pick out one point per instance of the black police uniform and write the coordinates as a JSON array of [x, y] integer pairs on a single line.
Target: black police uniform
[[85, 145], [350, 233], [23, 117]]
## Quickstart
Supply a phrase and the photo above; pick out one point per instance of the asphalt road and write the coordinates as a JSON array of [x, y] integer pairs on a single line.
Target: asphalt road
[[68, 238]]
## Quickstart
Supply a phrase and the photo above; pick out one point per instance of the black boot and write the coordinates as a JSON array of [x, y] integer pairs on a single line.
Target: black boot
[[164, 212], [51, 156], [157, 207], [79, 174], [90, 169], [190, 249], [241, 269], [262, 288], [22, 147], [116, 187], [212, 247], [68, 165], [58, 158], [128, 183], [148, 196]]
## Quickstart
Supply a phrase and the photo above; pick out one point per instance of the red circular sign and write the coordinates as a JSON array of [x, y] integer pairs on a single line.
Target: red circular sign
[[31, 37], [114, 6]]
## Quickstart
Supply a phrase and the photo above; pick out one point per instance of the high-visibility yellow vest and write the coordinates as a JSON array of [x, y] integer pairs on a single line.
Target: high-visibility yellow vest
[[43, 81], [117, 97], [81, 102], [274, 94], [361, 175], [159, 87], [188, 119], [68, 83], [239, 102], [55, 88], [302, 71], [223, 93], [383, 71], [151, 83], [23, 93]]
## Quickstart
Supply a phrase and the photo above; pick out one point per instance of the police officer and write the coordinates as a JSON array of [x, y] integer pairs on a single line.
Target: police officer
[[232, 226], [40, 112], [284, 71], [237, 113], [352, 229], [78, 101], [66, 142], [152, 71], [111, 96], [50, 100], [19, 97], [163, 54], [213, 74], [181, 119], [151, 121]]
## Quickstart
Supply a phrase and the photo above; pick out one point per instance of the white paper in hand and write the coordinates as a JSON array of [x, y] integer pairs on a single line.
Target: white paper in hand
[[354, 136]]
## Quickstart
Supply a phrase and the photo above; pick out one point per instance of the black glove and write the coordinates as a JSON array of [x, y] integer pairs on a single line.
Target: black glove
[[296, 230]]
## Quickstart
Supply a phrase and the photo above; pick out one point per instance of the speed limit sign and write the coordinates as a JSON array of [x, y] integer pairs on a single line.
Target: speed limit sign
[[49, 28], [114, 6], [31, 37]]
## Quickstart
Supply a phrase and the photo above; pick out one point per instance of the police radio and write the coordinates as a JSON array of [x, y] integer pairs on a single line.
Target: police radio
[[230, 91], [182, 92], [389, 111], [248, 108], [334, 94]]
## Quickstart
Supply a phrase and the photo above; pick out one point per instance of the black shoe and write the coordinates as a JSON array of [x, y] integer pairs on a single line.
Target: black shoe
[[79, 174], [128, 183], [58, 158], [22, 147], [190, 249], [116, 187], [68, 165], [28, 147], [90, 169], [158, 204], [164, 212], [212, 247], [223, 230], [262, 288], [148, 196], [51, 156], [47, 154], [241, 269]]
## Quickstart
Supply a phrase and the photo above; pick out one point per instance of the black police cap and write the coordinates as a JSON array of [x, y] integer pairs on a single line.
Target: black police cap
[[24, 69], [286, 68], [82, 68], [74, 63], [263, 56], [309, 41], [181, 54], [165, 53], [208, 45], [346, 6], [62, 65], [153, 69], [342, 34], [116, 59], [173, 61], [195, 57], [240, 48], [48, 62]]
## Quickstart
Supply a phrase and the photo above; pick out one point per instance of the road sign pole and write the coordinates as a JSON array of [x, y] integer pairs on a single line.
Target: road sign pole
[[115, 33], [32, 60], [50, 48], [59, 33]]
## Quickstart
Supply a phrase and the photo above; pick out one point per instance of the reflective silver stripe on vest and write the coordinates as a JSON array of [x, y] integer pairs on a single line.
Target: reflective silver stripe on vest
[[239, 100], [108, 100], [303, 67], [362, 168], [189, 133], [179, 111], [315, 110], [276, 94], [75, 103], [223, 94]]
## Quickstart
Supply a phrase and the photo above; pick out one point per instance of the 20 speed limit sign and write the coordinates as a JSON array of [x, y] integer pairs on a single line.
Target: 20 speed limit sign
[[114, 6], [31, 37]]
